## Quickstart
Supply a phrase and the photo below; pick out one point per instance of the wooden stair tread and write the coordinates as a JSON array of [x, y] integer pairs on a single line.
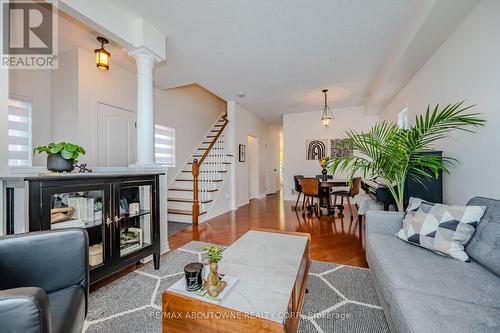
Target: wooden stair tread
[[188, 190], [190, 180], [182, 212], [211, 163], [189, 171], [187, 200]]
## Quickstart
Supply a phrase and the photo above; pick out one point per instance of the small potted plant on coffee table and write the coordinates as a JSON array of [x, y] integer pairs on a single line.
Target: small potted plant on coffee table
[[60, 156]]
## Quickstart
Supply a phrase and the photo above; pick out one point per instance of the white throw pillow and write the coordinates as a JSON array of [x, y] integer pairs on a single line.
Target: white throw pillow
[[441, 228]]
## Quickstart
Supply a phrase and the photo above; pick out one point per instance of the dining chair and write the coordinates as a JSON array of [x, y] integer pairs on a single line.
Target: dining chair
[[350, 193], [298, 189], [310, 189]]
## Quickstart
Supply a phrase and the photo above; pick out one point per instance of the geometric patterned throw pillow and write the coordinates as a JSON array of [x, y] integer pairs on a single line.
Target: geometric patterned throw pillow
[[441, 228]]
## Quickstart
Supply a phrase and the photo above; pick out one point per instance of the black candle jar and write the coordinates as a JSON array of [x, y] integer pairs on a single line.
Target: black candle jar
[[193, 273]]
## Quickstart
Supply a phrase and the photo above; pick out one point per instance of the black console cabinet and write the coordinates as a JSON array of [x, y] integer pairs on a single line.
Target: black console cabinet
[[119, 211]]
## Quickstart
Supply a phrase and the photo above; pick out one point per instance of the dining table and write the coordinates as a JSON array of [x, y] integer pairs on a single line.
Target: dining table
[[329, 184]]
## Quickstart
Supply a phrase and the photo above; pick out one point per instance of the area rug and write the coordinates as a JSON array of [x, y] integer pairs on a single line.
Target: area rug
[[340, 298], [176, 227]]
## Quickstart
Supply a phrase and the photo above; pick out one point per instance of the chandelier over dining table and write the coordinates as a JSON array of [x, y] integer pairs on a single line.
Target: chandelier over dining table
[[327, 113]]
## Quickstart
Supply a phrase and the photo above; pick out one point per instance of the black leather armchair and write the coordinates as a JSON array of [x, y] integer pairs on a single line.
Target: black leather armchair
[[44, 281]]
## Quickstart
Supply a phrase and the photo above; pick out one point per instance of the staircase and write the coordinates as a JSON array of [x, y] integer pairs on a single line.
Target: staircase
[[194, 191]]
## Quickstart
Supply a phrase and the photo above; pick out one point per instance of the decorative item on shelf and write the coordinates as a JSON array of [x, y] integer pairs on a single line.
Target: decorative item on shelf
[[327, 113], [242, 153], [61, 156], [324, 162], [194, 276], [95, 255], [214, 284], [123, 205], [397, 154], [133, 208], [82, 168], [101, 55], [97, 210], [130, 240], [61, 214]]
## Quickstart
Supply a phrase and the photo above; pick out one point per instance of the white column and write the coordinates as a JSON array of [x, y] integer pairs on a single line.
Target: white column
[[145, 61]]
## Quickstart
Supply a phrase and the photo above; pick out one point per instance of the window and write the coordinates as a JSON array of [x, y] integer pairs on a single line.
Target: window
[[19, 116], [403, 118], [165, 145]]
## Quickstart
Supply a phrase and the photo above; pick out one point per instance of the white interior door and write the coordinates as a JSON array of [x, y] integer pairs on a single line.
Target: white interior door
[[253, 167], [116, 136]]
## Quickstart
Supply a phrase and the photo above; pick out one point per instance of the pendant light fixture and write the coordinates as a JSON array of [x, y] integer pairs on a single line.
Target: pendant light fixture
[[327, 113], [101, 55]]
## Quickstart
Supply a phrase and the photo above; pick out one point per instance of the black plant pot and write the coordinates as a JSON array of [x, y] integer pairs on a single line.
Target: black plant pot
[[56, 163]]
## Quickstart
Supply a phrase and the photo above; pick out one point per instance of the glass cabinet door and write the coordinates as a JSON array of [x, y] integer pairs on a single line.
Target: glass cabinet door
[[81, 207], [135, 219]]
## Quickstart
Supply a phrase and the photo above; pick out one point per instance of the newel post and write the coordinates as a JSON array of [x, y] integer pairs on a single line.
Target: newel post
[[196, 203]]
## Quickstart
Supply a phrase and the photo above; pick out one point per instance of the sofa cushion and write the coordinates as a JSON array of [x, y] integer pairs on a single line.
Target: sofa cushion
[[441, 228], [484, 247], [401, 265], [67, 309], [420, 312]]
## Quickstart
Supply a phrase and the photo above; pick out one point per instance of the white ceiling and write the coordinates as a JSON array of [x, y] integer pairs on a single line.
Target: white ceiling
[[279, 53], [74, 34]]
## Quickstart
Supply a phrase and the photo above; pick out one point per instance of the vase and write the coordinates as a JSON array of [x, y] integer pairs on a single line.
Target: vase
[[56, 163], [214, 284], [324, 172]]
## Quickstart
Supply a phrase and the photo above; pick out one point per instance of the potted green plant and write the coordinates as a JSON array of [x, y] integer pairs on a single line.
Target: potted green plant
[[395, 153], [61, 156]]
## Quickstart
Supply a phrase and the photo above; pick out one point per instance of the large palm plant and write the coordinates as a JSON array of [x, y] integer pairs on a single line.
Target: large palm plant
[[395, 153]]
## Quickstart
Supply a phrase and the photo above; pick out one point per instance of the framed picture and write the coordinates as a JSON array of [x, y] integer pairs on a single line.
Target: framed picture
[[316, 149], [340, 148], [242, 153]]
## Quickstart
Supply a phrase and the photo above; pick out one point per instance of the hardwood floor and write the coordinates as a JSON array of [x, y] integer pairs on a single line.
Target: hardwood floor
[[333, 239]]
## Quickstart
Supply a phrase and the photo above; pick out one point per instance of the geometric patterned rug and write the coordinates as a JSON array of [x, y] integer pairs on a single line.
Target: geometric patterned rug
[[340, 298]]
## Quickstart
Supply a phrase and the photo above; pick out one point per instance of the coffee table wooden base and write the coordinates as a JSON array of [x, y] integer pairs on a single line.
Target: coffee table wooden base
[[185, 314]]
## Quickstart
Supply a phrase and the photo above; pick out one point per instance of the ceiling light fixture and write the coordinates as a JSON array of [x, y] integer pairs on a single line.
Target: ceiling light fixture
[[327, 113], [101, 55]]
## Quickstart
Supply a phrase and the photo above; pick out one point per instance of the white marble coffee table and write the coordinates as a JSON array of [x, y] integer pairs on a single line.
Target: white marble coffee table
[[272, 268]]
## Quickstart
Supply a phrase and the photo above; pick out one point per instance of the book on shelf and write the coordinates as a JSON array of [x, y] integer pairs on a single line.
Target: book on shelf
[[83, 208]]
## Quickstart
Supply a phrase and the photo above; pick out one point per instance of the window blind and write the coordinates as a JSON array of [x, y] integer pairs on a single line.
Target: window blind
[[19, 125], [165, 145]]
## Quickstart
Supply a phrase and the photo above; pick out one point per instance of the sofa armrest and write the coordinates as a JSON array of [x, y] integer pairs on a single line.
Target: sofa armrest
[[50, 260], [24, 310], [383, 222]]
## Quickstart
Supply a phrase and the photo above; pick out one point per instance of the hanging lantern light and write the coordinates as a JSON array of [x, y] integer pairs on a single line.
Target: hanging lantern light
[[101, 55], [327, 113]]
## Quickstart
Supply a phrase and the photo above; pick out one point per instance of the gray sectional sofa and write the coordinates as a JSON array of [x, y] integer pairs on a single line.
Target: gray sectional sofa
[[422, 291]]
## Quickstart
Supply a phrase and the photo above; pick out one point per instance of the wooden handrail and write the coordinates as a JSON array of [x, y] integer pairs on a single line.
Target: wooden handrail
[[200, 162], [195, 170]]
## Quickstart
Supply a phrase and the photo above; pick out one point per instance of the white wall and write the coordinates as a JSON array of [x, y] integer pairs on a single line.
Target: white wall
[[191, 110], [65, 105], [299, 127], [466, 66], [245, 124]]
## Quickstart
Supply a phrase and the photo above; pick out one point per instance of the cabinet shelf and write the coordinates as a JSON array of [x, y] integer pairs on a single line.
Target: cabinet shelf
[[142, 212], [73, 223]]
